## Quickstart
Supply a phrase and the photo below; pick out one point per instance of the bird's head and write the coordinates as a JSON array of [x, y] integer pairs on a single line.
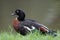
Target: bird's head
[[20, 14]]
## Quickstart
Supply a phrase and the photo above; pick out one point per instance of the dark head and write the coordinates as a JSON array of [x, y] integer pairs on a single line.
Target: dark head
[[20, 14]]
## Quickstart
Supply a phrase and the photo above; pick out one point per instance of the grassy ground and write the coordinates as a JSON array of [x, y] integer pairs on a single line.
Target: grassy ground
[[31, 36]]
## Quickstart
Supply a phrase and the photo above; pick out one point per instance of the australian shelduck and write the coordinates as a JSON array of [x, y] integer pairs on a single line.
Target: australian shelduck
[[23, 25]]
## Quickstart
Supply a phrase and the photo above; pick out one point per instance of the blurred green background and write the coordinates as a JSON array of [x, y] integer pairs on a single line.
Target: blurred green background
[[46, 12]]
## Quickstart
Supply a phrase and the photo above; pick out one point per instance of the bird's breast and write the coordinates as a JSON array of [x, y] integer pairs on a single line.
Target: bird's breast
[[15, 24]]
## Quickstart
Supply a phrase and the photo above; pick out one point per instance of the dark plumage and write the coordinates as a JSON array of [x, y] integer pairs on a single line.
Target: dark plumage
[[22, 25]]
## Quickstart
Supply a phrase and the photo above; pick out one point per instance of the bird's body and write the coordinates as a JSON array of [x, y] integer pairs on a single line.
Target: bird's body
[[29, 25], [22, 25]]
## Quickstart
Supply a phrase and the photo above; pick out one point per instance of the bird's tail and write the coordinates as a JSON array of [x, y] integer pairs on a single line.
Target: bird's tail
[[52, 32], [45, 30]]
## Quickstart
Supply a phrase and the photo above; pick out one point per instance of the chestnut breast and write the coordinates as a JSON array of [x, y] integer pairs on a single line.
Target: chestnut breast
[[16, 23]]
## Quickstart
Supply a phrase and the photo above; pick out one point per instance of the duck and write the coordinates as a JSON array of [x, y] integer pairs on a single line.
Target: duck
[[23, 25]]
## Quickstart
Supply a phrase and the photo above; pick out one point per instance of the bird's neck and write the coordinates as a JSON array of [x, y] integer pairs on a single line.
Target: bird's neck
[[20, 18]]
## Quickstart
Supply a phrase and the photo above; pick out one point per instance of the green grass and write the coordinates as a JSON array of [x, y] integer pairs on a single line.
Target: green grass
[[31, 36]]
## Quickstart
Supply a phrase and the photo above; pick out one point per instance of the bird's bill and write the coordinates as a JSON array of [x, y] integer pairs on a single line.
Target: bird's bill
[[13, 14]]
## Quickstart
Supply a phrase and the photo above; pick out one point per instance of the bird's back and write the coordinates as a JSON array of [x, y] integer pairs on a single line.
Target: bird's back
[[27, 23]]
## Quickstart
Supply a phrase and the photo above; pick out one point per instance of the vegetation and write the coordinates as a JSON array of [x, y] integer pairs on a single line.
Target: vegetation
[[31, 36]]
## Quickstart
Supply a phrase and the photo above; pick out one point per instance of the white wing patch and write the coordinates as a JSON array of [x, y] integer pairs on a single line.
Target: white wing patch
[[29, 28]]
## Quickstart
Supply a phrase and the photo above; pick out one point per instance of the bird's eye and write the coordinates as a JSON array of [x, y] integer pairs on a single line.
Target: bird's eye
[[17, 11]]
